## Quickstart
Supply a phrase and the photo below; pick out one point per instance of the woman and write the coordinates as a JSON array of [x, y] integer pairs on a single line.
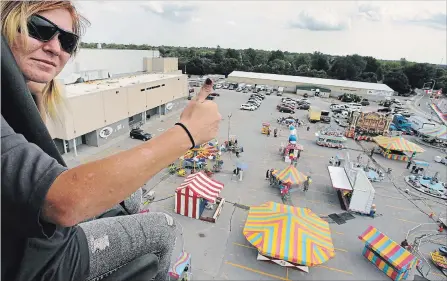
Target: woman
[[43, 237]]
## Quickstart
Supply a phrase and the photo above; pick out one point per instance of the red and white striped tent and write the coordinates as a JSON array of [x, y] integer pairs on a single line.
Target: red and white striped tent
[[194, 188]]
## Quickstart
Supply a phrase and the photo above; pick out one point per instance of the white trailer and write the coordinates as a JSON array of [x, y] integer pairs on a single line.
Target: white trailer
[[356, 183], [362, 194]]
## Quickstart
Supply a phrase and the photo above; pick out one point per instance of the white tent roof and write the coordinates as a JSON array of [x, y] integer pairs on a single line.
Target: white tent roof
[[311, 80], [339, 178]]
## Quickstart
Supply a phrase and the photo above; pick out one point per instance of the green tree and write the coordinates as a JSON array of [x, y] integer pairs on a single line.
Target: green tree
[[319, 61], [232, 53], [250, 55], [372, 65], [228, 65], [379, 73], [276, 55], [348, 68], [419, 73], [218, 55], [398, 81]]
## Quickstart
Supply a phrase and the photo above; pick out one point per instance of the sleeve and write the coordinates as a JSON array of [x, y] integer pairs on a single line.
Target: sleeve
[[27, 174]]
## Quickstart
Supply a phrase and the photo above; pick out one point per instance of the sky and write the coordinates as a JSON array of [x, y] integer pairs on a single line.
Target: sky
[[390, 30]]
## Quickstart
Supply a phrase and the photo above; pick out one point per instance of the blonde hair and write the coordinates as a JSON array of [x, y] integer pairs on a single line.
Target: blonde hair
[[15, 14]]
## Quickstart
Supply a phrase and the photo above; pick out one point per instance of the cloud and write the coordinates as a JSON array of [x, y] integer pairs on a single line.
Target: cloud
[[370, 12], [231, 22], [320, 21], [432, 20], [196, 19], [171, 11]]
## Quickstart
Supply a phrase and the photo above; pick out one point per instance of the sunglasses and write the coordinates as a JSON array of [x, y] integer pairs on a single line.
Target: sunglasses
[[44, 30]]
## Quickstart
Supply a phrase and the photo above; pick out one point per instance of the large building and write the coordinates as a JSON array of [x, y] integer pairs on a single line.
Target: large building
[[100, 110], [301, 85]]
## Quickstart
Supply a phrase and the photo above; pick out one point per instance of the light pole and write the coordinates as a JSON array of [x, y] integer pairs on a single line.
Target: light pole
[[229, 124]]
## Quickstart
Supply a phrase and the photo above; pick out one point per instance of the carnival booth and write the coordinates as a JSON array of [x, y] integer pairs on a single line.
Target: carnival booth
[[387, 255], [197, 196], [265, 128], [289, 236], [397, 148]]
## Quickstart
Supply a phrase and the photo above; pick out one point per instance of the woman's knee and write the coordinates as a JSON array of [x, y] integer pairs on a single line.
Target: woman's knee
[[133, 202]]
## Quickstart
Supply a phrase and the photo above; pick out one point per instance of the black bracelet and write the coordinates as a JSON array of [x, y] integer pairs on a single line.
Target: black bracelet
[[189, 134]]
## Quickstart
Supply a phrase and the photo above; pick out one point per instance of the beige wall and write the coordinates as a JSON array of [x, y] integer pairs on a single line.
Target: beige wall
[[86, 113], [335, 89], [147, 64], [164, 65]]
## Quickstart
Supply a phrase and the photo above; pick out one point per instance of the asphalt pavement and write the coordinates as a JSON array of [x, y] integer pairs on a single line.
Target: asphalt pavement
[[220, 251]]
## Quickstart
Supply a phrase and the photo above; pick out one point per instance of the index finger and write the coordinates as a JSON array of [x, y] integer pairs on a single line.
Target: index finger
[[204, 92]]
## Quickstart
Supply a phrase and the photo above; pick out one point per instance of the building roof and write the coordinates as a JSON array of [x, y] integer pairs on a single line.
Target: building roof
[[312, 80], [95, 86]]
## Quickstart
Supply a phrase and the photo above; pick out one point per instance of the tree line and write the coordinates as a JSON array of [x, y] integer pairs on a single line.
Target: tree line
[[402, 76]]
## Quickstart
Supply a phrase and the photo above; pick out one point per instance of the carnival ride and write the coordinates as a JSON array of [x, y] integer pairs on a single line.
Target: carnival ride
[[285, 179], [181, 269], [397, 148], [197, 159], [290, 151], [289, 236], [430, 185]]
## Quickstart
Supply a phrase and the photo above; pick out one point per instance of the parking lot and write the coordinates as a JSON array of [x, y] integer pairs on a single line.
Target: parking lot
[[220, 251]]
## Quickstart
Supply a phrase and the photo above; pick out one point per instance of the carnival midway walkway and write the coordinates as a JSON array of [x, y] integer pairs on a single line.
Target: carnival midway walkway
[[220, 251]]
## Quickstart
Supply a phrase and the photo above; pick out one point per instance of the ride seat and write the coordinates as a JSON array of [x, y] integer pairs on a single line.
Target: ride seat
[[20, 111]]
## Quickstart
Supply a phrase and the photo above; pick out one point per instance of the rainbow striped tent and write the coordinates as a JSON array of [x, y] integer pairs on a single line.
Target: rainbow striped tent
[[289, 233], [397, 144], [387, 255], [290, 175], [439, 132]]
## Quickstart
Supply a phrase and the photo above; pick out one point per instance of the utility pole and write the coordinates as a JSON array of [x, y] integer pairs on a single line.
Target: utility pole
[[229, 125]]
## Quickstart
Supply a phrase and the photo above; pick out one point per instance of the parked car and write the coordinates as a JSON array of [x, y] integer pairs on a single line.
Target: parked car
[[258, 95], [384, 109], [444, 160], [304, 106], [215, 94], [364, 102], [246, 106], [285, 109], [255, 105], [325, 118], [140, 135], [257, 102], [305, 95], [210, 97]]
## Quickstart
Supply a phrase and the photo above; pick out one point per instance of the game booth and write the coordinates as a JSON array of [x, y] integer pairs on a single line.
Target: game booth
[[354, 189], [289, 236], [387, 255], [363, 126], [397, 148], [198, 198], [330, 138]]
